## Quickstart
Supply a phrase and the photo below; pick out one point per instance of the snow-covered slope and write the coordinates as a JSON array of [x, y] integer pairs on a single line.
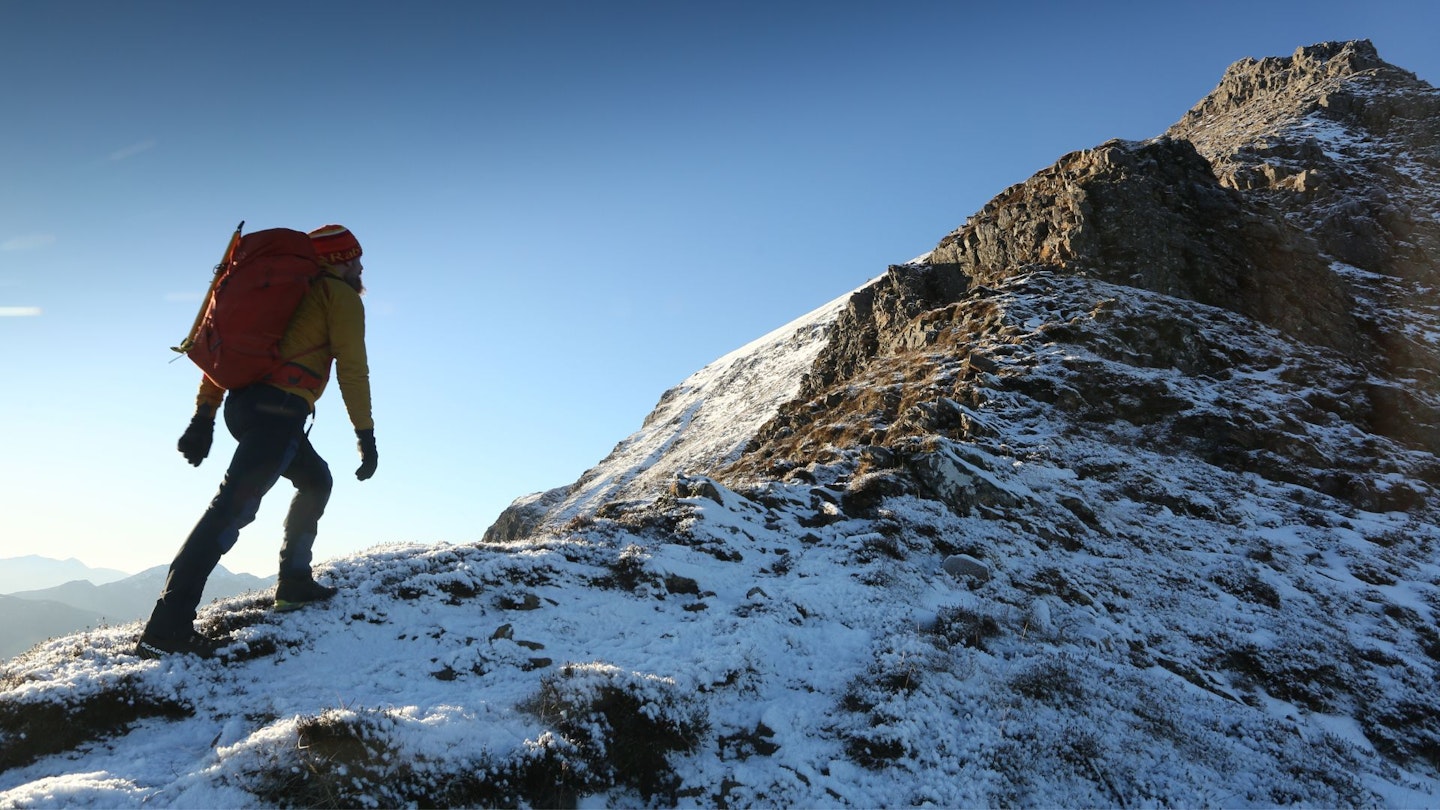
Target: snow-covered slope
[[786, 665], [1137, 629], [700, 424], [1124, 495]]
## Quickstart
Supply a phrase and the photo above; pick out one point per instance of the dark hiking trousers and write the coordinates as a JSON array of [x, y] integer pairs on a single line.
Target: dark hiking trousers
[[269, 426]]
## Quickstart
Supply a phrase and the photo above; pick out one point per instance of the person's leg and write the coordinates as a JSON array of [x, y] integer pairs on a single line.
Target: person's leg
[[267, 435], [313, 482]]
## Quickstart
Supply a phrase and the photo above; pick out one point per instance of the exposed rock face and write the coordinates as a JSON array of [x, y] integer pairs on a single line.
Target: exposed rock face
[[1152, 215], [1143, 369], [1333, 251], [1299, 195], [1348, 147], [1341, 140], [524, 515], [876, 319]]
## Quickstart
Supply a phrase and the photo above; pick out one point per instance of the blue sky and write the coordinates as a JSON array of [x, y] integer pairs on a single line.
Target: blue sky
[[566, 209]]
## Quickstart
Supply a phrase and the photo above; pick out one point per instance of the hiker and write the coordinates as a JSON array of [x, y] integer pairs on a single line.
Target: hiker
[[268, 420]]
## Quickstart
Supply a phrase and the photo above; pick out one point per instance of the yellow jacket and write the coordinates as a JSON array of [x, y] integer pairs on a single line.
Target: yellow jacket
[[328, 326]]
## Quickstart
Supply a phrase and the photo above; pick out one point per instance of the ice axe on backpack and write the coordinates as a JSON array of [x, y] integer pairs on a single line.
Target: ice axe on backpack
[[189, 341]]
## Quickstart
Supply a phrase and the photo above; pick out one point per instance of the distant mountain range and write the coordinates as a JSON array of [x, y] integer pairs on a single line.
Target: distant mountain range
[[34, 572], [75, 597]]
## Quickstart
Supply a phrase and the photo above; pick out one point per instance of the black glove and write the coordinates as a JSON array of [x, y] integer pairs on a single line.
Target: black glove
[[195, 442], [369, 456]]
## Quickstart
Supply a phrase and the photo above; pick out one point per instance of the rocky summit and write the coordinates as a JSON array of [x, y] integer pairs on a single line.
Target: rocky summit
[[1124, 494], [1337, 270]]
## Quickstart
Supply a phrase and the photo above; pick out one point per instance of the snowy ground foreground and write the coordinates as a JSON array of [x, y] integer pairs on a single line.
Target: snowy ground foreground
[[839, 664], [706, 420]]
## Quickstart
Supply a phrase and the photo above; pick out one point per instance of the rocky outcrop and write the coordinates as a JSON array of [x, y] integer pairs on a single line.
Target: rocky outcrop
[[1298, 199], [524, 515], [1344, 142], [1152, 215], [1290, 165], [1129, 368], [1260, 203], [1348, 147], [876, 316]]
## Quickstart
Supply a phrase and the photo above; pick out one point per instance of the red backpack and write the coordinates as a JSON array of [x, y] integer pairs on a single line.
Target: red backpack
[[257, 287]]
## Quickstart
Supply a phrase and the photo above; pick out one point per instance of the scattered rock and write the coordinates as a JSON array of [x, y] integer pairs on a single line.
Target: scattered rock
[[685, 486], [959, 483], [866, 492], [681, 585], [965, 566], [527, 601]]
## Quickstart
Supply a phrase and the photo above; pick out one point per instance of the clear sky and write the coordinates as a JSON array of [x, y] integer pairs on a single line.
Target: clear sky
[[566, 209]]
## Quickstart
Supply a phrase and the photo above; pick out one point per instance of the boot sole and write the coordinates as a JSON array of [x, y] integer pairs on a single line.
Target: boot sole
[[149, 652], [287, 607]]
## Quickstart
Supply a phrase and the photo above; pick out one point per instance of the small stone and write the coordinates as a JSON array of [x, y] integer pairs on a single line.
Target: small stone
[[677, 584], [527, 601], [963, 565], [686, 487]]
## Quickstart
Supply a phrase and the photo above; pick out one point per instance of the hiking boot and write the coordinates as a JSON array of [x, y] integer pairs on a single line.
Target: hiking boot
[[153, 645], [292, 594]]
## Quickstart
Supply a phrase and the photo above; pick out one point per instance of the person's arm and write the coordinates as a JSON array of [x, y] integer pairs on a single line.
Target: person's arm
[[352, 365], [352, 371], [210, 395]]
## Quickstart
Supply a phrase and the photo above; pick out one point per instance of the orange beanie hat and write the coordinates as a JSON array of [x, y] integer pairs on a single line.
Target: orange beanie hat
[[334, 244]]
